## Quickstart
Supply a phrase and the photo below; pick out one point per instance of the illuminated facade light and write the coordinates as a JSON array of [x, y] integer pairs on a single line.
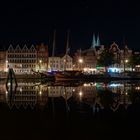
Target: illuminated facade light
[[80, 93], [20, 89]]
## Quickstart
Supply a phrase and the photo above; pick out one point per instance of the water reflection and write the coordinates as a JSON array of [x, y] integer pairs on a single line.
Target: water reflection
[[94, 96]]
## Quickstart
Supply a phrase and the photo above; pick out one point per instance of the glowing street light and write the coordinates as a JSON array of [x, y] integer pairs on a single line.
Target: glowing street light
[[126, 61], [40, 61], [80, 62]]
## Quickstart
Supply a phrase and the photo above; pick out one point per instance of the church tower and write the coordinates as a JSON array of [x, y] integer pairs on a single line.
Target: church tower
[[98, 41], [93, 42]]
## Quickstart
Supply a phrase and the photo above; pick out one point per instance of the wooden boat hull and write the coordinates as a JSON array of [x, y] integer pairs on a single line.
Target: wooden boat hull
[[68, 76]]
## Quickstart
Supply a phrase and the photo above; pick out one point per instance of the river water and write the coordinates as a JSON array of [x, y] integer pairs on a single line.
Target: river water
[[92, 110]]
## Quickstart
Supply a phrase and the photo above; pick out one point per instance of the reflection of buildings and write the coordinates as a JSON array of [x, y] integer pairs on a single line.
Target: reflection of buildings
[[60, 91], [88, 93], [112, 95], [27, 95], [2, 92], [121, 88]]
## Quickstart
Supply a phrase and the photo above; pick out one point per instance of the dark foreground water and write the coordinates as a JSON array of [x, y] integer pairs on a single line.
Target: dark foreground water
[[85, 111]]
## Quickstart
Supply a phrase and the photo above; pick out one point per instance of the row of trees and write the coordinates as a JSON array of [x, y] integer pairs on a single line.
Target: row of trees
[[107, 59]]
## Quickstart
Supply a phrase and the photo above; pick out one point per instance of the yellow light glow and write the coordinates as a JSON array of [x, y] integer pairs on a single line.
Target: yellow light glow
[[73, 90], [80, 93], [80, 60], [6, 92], [20, 89], [126, 61], [9, 84], [40, 92]]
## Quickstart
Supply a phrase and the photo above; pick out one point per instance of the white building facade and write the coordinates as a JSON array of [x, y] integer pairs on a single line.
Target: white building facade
[[60, 63]]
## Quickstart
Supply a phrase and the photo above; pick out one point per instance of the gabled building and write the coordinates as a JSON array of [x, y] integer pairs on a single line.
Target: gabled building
[[25, 59], [21, 59], [42, 57], [122, 57], [60, 63]]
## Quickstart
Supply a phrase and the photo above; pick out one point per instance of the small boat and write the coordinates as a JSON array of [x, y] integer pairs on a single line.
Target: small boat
[[68, 75]]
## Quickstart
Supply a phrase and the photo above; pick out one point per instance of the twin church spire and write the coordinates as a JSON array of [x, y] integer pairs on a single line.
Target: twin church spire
[[95, 42]]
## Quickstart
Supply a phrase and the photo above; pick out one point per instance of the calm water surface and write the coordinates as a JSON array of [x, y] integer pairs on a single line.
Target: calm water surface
[[95, 110]]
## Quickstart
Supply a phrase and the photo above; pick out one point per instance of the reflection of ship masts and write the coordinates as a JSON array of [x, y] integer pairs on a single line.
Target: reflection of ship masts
[[53, 108], [66, 103]]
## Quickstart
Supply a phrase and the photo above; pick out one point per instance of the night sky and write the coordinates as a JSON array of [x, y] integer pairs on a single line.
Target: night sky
[[33, 22]]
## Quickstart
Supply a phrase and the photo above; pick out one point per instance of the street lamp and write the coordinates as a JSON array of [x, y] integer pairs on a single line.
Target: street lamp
[[6, 66], [40, 61], [125, 62], [80, 62]]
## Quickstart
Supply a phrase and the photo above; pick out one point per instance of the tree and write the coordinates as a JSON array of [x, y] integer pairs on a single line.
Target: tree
[[106, 59]]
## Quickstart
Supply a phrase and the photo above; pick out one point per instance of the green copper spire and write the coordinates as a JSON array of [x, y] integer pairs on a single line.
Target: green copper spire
[[98, 41], [93, 42]]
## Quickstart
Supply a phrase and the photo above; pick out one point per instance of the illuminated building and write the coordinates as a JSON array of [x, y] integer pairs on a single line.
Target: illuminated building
[[121, 56], [2, 60], [42, 57], [25, 59], [89, 56], [60, 63]]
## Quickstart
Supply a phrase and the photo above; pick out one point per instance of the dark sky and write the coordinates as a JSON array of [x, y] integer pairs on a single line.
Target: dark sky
[[33, 22]]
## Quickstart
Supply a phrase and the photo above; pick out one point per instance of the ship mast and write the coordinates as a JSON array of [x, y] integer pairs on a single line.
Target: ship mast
[[67, 50], [54, 36]]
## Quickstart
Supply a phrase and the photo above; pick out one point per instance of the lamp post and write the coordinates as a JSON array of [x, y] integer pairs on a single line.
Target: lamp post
[[40, 61], [80, 63], [6, 66], [125, 62]]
